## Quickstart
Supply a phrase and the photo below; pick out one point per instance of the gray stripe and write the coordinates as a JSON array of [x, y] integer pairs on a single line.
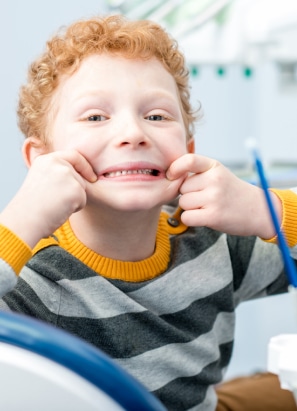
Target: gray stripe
[[8, 278], [172, 361], [93, 297], [97, 299], [4, 306], [193, 280], [264, 267], [48, 291]]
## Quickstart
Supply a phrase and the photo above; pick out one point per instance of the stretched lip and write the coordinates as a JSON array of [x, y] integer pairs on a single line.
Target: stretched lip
[[140, 170]]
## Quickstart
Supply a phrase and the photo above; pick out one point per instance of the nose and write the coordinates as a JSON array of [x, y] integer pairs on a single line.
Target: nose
[[132, 133]]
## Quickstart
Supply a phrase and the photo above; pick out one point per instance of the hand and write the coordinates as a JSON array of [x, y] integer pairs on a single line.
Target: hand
[[55, 187], [214, 197]]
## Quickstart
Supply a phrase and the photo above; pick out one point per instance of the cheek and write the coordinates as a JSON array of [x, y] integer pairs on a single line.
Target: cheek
[[176, 149], [177, 142], [76, 141]]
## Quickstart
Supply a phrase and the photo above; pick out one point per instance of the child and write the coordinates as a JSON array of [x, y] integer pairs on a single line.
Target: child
[[85, 243]]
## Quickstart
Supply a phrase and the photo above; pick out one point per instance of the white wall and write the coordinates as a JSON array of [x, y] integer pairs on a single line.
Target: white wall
[[228, 115], [234, 107], [237, 107]]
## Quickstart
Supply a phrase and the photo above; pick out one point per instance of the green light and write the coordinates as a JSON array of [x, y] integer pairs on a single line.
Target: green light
[[194, 71], [248, 72], [221, 71]]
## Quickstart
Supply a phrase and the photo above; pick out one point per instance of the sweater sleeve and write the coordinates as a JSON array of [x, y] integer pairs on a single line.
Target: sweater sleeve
[[13, 251], [289, 220]]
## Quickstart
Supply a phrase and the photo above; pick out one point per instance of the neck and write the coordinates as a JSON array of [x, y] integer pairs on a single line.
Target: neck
[[125, 236]]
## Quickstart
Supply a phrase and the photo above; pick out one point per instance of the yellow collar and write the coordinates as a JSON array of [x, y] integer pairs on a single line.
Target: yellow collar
[[135, 271]]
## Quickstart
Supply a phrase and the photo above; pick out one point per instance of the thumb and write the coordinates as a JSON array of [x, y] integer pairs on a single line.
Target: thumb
[[189, 163]]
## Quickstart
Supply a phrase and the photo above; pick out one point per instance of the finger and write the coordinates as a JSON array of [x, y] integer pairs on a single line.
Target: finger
[[189, 163], [212, 180], [191, 201], [193, 183], [196, 218], [80, 164]]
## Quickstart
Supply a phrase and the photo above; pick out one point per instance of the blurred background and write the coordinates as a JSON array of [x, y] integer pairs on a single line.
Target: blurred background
[[242, 56]]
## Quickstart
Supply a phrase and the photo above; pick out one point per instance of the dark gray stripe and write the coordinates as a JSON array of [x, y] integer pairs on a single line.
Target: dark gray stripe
[[56, 263]]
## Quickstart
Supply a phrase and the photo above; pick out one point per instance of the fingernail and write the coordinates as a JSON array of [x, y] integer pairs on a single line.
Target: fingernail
[[168, 176]]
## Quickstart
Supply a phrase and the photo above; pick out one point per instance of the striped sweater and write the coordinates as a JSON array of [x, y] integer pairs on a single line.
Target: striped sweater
[[173, 327]]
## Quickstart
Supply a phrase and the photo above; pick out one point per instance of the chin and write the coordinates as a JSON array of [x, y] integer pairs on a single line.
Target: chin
[[136, 206], [134, 199]]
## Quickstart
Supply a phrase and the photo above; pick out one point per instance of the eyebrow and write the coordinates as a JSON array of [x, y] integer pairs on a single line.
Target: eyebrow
[[150, 94], [88, 94]]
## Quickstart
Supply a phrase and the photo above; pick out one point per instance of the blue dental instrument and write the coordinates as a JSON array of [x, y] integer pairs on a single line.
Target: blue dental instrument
[[290, 268]]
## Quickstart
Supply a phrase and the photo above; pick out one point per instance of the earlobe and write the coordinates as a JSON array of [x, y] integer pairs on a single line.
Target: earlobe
[[32, 148], [191, 145]]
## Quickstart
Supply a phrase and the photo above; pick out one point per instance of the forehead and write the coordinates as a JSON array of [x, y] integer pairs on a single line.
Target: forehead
[[115, 72]]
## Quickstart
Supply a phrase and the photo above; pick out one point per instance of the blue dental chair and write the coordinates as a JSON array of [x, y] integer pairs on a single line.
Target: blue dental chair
[[44, 368]]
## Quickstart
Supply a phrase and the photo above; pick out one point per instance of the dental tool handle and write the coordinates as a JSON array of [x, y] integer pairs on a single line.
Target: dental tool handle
[[288, 261]]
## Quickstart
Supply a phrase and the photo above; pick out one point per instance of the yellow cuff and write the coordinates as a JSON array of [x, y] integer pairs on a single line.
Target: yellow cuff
[[289, 221], [13, 250]]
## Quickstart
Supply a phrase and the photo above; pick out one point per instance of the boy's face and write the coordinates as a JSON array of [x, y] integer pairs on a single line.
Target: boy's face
[[124, 116]]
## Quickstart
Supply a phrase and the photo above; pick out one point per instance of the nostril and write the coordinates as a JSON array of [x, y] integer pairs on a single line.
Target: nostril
[[125, 143]]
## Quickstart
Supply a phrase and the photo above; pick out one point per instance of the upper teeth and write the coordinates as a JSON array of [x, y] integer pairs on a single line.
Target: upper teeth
[[125, 172]]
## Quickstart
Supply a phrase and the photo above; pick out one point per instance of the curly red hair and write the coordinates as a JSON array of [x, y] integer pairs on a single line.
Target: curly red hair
[[112, 34]]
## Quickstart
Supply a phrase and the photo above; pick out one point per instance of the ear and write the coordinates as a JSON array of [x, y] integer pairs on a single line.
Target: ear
[[191, 145], [32, 148]]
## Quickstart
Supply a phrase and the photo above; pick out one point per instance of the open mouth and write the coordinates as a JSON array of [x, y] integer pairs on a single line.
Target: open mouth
[[144, 171]]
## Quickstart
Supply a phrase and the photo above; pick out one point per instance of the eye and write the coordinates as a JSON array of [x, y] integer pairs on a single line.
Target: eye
[[97, 117], [156, 117]]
